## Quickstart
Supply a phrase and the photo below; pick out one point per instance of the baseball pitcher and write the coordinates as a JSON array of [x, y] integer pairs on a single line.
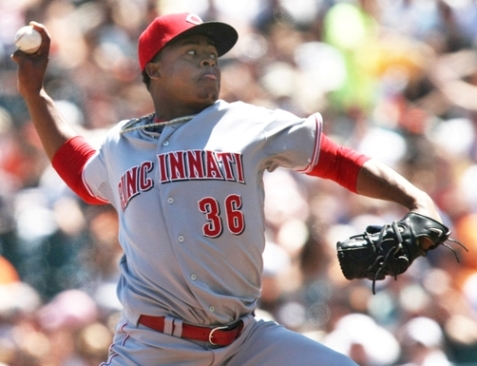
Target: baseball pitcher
[[186, 182]]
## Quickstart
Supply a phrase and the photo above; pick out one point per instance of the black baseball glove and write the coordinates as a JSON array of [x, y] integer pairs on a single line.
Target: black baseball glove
[[389, 250]]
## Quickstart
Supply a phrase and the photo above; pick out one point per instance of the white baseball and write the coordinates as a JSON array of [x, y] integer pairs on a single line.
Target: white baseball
[[28, 39]]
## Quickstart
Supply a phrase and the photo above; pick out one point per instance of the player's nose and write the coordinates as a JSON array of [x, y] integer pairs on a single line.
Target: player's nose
[[208, 60]]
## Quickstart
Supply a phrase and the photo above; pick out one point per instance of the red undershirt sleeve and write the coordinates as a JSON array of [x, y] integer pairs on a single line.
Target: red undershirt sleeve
[[69, 162], [338, 163]]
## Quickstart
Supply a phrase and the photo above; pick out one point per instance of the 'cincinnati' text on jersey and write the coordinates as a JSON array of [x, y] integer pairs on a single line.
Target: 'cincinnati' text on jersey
[[179, 166]]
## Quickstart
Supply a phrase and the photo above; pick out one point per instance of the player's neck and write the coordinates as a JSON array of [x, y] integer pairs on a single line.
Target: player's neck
[[169, 112]]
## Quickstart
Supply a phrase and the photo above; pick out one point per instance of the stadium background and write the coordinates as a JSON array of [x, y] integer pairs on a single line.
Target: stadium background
[[394, 79]]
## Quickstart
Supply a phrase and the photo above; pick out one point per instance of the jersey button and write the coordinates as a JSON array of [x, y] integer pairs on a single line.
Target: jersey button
[[165, 143], [212, 308], [181, 239], [193, 277], [170, 200]]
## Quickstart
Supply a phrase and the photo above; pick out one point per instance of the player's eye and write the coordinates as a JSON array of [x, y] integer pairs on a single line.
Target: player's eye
[[212, 55]]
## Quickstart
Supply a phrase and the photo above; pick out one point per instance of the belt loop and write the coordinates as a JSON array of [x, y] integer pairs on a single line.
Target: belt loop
[[168, 325], [177, 327]]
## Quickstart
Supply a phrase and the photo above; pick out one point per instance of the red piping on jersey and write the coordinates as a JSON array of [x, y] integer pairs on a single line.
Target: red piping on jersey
[[338, 163], [316, 153], [69, 161]]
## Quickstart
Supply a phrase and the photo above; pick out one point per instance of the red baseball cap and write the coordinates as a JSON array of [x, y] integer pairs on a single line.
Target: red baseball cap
[[165, 28]]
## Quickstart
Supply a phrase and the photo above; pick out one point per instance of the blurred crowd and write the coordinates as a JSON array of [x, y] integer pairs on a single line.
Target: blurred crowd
[[395, 79]]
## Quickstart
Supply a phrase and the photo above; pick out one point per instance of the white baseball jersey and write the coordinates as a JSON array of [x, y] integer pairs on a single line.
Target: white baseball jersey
[[190, 204]]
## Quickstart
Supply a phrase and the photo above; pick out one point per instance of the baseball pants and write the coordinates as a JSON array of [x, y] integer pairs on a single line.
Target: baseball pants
[[262, 343]]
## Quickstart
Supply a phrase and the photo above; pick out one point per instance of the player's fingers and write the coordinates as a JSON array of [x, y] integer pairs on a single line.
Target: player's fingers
[[21, 57], [44, 49], [18, 56]]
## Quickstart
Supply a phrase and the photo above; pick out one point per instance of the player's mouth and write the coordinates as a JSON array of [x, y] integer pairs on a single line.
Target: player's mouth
[[210, 76]]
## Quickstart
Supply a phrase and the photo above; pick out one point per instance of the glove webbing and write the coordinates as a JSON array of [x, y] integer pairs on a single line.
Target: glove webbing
[[393, 251]]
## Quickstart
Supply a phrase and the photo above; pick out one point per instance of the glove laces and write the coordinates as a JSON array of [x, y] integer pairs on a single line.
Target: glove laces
[[383, 261]]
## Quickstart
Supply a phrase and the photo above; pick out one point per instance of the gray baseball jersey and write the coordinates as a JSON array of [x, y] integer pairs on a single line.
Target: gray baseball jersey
[[190, 204]]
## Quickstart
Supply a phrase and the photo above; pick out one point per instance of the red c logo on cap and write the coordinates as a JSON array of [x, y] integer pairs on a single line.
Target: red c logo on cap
[[194, 19]]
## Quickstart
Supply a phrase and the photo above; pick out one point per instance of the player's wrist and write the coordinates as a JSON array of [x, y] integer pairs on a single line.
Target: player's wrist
[[423, 204]]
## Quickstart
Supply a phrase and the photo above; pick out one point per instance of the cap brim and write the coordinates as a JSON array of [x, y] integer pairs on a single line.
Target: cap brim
[[223, 35]]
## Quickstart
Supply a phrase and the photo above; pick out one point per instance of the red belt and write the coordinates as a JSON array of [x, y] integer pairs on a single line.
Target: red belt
[[217, 336]]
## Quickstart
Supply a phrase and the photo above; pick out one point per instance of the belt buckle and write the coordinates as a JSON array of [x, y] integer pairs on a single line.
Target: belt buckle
[[211, 334]]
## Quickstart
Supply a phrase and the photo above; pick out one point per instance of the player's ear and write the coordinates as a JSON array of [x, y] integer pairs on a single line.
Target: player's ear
[[153, 70]]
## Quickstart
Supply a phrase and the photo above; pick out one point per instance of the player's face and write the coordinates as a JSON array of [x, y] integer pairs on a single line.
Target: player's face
[[189, 73]]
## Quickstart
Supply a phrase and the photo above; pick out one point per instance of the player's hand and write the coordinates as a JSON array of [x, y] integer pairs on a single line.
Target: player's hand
[[425, 206], [32, 68]]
